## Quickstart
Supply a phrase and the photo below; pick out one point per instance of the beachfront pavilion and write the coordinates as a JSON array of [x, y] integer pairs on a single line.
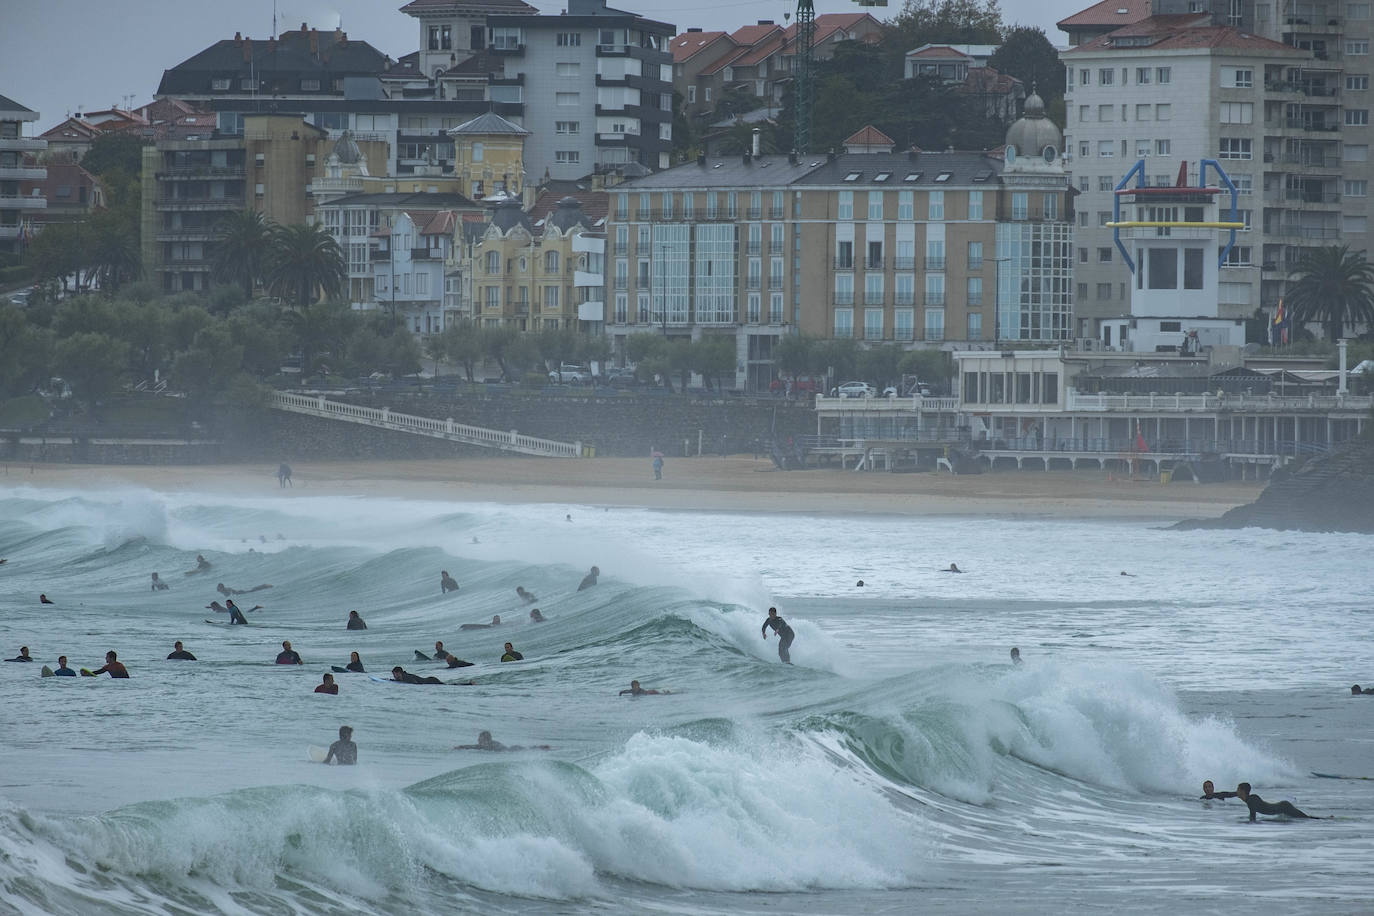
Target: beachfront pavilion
[[1063, 409]]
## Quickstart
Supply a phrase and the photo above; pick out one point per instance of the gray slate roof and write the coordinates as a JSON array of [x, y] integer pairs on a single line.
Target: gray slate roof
[[964, 169], [422, 200], [489, 123], [9, 104], [726, 172]]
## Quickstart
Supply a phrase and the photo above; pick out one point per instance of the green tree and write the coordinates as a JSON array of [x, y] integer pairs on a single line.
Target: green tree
[[796, 354], [839, 358], [304, 263], [879, 364], [649, 353], [242, 248], [212, 360], [714, 358], [497, 344], [264, 339], [1332, 285], [463, 344], [319, 328], [933, 366], [959, 21], [144, 328], [685, 140], [25, 352], [1027, 54], [114, 253], [558, 347], [92, 363], [596, 349], [114, 152], [58, 252]]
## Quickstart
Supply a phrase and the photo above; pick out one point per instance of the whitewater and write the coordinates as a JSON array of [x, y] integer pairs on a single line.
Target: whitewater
[[901, 763]]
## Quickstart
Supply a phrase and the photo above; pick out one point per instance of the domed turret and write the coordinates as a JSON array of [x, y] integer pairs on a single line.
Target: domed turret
[[1033, 133], [568, 214]]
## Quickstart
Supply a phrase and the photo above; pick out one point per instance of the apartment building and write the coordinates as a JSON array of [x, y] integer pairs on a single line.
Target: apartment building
[[921, 249], [1277, 92], [18, 155], [407, 260], [595, 84]]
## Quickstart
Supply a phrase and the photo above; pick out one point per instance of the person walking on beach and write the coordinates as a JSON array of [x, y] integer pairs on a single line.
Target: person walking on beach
[[284, 475], [785, 634], [658, 464]]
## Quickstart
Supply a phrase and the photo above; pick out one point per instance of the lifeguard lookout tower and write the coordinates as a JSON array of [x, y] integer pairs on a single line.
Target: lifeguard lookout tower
[[1175, 241]]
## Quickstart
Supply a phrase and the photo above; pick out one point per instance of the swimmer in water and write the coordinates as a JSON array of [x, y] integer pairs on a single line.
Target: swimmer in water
[[288, 655], [235, 615], [23, 655], [228, 592], [536, 616], [1258, 805], [1015, 656], [1356, 690], [638, 691], [355, 663], [524, 595], [446, 583], [328, 686], [343, 751], [485, 743], [954, 568], [180, 654], [112, 666], [158, 584], [44, 599], [202, 565], [511, 655], [589, 579]]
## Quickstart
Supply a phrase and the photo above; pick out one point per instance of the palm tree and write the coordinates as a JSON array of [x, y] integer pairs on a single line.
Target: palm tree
[[1334, 286], [303, 263], [242, 248]]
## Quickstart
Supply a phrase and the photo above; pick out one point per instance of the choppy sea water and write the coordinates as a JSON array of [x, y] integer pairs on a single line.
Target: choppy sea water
[[900, 764]]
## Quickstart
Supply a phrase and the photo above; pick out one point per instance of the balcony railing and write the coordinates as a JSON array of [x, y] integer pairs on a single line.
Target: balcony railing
[[904, 299], [874, 298], [935, 299], [844, 263], [753, 283], [975, 263], [937, 263], [776, 213], [873, 263], [901, 263], [755, 213], [844, 298], [775, 283], [167, 202], [754, 248]]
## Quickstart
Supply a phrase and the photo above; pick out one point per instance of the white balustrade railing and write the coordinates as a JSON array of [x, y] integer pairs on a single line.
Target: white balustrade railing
[[384, 417]]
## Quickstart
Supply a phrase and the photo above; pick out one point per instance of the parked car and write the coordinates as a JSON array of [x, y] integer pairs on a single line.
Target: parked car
[[569, 374], [855, 390]]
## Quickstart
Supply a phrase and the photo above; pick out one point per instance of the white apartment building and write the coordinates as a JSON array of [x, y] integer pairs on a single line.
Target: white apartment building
[[16, 210], [1287, 115]]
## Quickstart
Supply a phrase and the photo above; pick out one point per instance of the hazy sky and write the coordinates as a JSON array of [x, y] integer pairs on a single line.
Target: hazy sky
[[61, 56]]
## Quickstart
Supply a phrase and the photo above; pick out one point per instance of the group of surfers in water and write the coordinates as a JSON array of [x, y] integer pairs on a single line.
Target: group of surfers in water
[[1256, 804]]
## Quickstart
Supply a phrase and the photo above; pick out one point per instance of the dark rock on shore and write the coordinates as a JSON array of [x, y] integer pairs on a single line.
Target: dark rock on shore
[[1331, 493]]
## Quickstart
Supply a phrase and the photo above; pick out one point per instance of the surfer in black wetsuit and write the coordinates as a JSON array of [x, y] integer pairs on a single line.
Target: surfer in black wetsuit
[[638, 691], [954, 568], [1356, 690], [158, 584], [202, 565], [1209, 792], [288, 655], [1258, 805], [454, 661], [446, 583], [440, 653], [235, 615], [355, 621], [23, 655], [485, 743], [355, 663], [1015, 655], [228, 592], [785, 634], [44, 599], [589, 579], [512, 655], [524, 595], [536, 616], [180, 654], [344, 750], [405, 677]]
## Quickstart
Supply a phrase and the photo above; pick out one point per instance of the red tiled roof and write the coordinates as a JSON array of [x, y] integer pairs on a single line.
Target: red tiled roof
[[688, 44], [71, 129], [943, 52], [752, 34], [1108, 12], [829, 23], [596, 205], [441, 223], [1174, 33], [868, 135], [501, 7], [760, 51], [987, 80]]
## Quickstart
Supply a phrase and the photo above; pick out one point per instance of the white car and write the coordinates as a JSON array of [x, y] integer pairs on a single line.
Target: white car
[[855, 390], [570, 374]]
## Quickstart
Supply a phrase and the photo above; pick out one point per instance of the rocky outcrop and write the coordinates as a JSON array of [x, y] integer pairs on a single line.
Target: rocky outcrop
[[1331, 493]]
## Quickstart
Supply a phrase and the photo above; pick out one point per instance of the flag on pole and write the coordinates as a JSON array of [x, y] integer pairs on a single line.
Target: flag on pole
[[1140, 445], [1278, 331]]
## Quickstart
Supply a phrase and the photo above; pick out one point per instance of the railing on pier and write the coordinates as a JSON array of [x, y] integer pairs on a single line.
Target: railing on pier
[[385, 418]]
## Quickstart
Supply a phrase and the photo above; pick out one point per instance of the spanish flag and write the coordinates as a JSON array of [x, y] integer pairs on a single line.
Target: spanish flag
[[1278, 333]]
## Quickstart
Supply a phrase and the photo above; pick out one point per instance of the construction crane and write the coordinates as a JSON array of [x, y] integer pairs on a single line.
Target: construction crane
[[804, 90]]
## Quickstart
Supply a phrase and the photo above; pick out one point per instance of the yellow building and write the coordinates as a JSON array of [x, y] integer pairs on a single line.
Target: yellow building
[[489, 156]]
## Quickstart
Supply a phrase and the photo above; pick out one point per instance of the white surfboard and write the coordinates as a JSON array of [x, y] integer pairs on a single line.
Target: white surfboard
[[317, 754]]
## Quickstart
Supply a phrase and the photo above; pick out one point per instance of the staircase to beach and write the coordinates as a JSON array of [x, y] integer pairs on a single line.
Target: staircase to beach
[[385, 418]]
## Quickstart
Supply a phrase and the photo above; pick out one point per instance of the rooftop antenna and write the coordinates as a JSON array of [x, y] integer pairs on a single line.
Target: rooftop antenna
[[274, 18]]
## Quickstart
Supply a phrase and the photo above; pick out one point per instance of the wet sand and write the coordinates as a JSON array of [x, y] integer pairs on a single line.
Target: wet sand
[[736, 483]]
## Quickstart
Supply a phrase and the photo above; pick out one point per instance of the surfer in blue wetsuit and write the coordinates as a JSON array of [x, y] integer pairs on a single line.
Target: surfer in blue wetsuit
[[1258, 805], [62, 669], [785, 634], [235, 615], [343, 751]]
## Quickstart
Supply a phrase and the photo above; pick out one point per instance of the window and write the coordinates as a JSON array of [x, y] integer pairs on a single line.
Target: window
[[1235, 148], [1245, 184], [248, 85], [904, 324], [1106, 149], [1083, 219], [935, 289], [707, 94], [1049, 207], [1163, 112], [1163, 74], [1354, 82], [935, 324], [1237, 78], [1239, 256], [1354, 224], [569, 39], [846, 205], [567, 70], [1084, 149], [875, 204], [1019, 205], [691, 95], [1082, 255], [975, 326], [1085, 113], [844, 323], [566, 127], [1237, 112], [975, 204], [1105, 182], [566, 99], [873, 324], [509, 39], [1104, 217], [1356, 117], [220, 85], [1142, 76], [1163, 147], [1142, 112], [440, 38], [1357, 152], [975, 255], [1106, 76], [906, 207], [1356, 46], [1104, 254], [975, 290], [1358, 188], [567, 156], [1104, 292], [1357, 10], [1085, 77], [935, 205], [1105, 112]]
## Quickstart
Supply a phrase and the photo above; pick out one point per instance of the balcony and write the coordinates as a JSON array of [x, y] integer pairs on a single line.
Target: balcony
[[753, 283], [754, 213], [873, 263], [844, 298], [23, 144], [775, 283], [904, 298], [22, 173], [871, 298], [935, 263], [934, 300], [201, 172], [26, 202], [754, 248], [203, 234], [200, 203], [776, 213], [900, 263], [844, 263], [426, 254]]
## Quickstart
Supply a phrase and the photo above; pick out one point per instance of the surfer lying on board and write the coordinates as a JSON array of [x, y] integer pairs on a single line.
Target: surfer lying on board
[[228, 592], [202, 565], [484, 743], [1356, 690], [343, 751], [1258, 805], [446, 583], [638, 691], [1209, 791], [158, 584], [405, 677], [454, 661], [495, 622]]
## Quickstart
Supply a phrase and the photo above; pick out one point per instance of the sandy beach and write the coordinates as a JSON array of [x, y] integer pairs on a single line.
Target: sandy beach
[[737, 483]]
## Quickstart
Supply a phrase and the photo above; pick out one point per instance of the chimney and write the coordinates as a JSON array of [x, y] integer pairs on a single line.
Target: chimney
[[747, 158], [303, 29], [238, 38], [765, 22], [701, 159], [248, 49], [314, 42], [338, 34], [756, 142], [343, 39], [693, 30]]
